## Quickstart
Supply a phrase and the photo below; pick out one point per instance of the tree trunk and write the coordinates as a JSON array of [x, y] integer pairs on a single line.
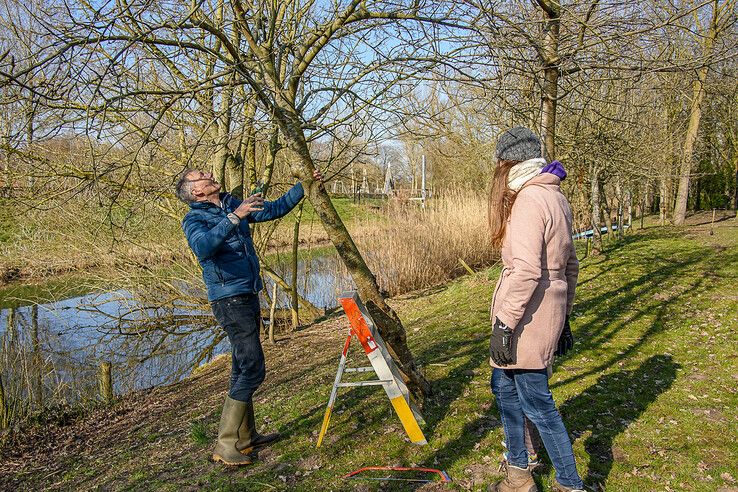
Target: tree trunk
[[4, 407], [37, 358], [272, 311], [10, 330], [218, 162], [250, 168], [735, 198], [105, 382], [695, 113], [308, 309], [234, 172], [619, 210], [629, 205], [222, 129], [293, 286], [388, 323], [550, 58], [595, 202], [664, 192], [274, 148]]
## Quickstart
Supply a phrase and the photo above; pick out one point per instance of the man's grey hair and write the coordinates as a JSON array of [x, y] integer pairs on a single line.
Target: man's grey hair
[[183, 188]]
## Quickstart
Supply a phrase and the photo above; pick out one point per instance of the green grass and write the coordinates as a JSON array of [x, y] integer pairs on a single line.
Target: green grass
[[57, 288], [367, 209], [199, 433], [648, 393]]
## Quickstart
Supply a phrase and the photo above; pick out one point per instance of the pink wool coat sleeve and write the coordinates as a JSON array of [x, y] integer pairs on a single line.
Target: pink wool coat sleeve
[[536, 288], [526, 227]]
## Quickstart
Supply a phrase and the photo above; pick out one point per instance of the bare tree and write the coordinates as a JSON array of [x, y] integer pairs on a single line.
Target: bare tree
[[722, 15], [309, 68]]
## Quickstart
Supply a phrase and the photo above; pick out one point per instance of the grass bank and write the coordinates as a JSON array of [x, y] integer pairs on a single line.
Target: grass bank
[[648, 393]]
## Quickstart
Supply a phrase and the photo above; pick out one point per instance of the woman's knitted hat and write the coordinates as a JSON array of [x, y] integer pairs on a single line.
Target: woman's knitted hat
[[518, 144]]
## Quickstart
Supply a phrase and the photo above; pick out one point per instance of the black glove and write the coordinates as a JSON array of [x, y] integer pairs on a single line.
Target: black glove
[[566, 340], [500, 344]]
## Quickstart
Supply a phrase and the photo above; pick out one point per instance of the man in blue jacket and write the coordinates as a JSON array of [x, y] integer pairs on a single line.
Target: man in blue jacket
[[217, 230]]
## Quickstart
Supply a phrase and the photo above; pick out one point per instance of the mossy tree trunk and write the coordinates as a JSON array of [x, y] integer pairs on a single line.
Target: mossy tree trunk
[[387, 321]]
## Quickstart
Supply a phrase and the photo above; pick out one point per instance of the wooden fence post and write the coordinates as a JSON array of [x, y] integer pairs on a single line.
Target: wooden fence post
[[106, 382]]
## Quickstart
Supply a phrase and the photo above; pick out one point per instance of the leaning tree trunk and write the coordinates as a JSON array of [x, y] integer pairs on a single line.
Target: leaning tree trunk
[[387, 321], [695, 114]]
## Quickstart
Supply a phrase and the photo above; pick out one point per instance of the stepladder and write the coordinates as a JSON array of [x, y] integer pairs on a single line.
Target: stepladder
[[363, 328]]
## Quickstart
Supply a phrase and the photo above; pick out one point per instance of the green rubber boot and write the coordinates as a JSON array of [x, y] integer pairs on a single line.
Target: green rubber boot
[[249, 439], [225, 449]]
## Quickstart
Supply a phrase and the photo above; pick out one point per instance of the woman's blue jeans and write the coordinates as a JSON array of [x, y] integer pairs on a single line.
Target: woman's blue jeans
[[525, 392], [240, 317]]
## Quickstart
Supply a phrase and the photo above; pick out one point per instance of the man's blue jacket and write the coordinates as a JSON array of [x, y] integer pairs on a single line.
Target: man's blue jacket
[[226, 252]]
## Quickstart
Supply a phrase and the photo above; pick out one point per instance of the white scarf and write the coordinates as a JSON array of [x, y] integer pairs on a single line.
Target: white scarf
[[523, 172]]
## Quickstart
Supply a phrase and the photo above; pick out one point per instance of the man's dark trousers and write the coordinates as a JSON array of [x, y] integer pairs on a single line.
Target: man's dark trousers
[[240, 318]]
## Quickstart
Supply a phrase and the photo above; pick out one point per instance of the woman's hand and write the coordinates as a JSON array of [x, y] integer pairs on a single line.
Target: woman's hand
[[566, 340], [500, 344]]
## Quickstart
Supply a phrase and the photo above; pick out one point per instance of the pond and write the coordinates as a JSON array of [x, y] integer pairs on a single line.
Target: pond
[[59, 340]]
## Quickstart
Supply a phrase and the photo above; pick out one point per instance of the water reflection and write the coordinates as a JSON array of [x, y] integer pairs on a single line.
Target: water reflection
[[319, 280], [60, 344]]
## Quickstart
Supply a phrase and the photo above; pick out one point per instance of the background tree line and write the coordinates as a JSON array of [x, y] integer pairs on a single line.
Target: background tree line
[[104, 104]]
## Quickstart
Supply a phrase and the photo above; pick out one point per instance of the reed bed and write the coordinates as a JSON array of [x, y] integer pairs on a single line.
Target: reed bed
[[416, 248], [35, 385]]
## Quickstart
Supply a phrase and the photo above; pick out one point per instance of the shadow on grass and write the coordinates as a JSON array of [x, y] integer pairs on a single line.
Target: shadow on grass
[[646, 296], [610, 405]]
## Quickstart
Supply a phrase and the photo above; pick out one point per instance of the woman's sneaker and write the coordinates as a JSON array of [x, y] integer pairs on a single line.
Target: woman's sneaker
[[533, 459], [557, 487]]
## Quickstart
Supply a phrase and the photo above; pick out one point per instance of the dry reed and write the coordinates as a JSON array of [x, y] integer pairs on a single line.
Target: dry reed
[[417, 248], [35, 384]]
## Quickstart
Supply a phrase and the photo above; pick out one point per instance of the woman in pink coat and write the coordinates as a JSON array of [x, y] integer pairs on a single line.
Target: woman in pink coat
[[531, 223]]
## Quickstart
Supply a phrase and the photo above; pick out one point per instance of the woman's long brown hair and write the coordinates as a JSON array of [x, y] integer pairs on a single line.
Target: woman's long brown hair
[[501, 199]]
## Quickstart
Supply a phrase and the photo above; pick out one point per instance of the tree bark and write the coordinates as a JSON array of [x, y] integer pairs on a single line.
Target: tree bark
[[695, 114], [388, 323], [595, 201], [664, 197], [4, 413], [272, 311], [293, 294], [549, 92], [37, 358]]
